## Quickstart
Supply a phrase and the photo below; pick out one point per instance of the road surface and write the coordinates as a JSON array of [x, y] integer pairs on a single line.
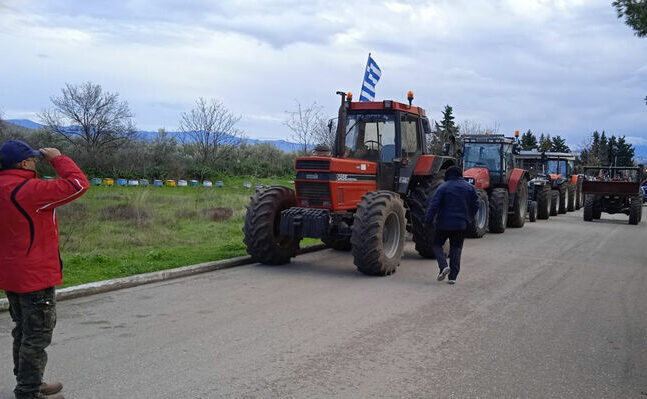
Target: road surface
[[556, 309]]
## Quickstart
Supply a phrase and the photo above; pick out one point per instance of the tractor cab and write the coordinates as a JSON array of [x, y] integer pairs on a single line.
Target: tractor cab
[[489, 154]]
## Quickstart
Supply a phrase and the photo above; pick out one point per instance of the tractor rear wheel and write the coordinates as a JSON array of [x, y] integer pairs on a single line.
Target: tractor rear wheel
[[563, 198], [543, 201], [532, 211], [520, 207], [498, 210], [635, 212], [554, 202], [579, 197], [588, 208], [571, 197], [262, 226], [378, 233], [423, 233], [480, 224], [337, 242]]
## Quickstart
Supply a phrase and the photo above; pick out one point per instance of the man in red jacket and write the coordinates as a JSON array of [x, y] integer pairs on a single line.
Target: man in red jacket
[[30, 262]]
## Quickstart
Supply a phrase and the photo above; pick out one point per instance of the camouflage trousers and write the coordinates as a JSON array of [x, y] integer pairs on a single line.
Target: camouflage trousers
[[34, 314]]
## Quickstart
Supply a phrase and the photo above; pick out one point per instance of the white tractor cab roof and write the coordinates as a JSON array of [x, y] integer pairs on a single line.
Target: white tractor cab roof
[[534, 154]]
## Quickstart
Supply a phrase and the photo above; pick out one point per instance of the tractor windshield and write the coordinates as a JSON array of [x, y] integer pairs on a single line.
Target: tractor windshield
[[484, 155], [555, 167], [371, 137]]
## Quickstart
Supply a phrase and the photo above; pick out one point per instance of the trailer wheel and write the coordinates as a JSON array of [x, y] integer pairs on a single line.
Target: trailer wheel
[[337, 242], [532, 211], [563, 198], [597, 208], [479, 226], [378, 233], [262, 226], [554, 202], [520, 206], [588, 208], [635, 212], [423, 234], [579, 196], [543, 202], [498, 210], [571, 197]]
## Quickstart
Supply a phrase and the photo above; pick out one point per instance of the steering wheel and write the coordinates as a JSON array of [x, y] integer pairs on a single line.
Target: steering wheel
[[372, 142]]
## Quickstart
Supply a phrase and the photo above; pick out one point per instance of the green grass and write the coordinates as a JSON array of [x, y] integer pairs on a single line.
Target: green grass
[[167, 228]]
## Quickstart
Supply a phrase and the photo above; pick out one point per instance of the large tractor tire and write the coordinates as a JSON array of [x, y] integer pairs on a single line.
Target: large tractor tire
[[635, 212], [520, 206], [589, 203], [563, 198], [337, 242], [543, 202], [498, 210], [532, 211], [579, 197], [572, 197], [480, 224], [378, 233], [423, 234], [262, 226], [554, 202]]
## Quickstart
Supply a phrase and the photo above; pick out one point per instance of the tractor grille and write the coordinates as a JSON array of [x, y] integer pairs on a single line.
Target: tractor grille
[[312, 164], [313, 190]]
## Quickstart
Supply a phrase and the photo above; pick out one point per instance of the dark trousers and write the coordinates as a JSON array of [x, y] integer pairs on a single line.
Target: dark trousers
[[456, 239], [34, 315]]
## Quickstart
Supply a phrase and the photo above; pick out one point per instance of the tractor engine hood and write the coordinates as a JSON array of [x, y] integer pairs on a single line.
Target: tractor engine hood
[[480, 177], [333, 183]]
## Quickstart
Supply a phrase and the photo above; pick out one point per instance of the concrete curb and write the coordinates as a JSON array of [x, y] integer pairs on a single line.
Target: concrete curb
[[147, 278]]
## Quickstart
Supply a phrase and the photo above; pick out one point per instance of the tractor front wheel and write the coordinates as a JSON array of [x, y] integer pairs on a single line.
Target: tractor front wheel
[[554, 202], [543, 201], [378, 233], [532, 211], [563, 198], [520, 207], [262, 226], [480, 224], [588, 208], [498, 210]]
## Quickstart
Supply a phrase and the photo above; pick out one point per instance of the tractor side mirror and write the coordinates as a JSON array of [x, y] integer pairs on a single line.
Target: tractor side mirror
[[425, 126], [516, 149]]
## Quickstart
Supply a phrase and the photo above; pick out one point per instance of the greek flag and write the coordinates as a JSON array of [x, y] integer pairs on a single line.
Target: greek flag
[[371, 77]]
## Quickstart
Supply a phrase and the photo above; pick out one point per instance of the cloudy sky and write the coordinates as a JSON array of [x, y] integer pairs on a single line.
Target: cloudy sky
[[563, 67]]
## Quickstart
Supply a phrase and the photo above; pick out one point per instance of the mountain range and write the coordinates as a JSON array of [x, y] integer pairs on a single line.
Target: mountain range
[[282, 145]]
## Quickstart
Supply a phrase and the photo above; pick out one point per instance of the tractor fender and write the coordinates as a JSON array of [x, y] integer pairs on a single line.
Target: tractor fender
[[481, 177], [515, 178], [430, 165], [575, 179]]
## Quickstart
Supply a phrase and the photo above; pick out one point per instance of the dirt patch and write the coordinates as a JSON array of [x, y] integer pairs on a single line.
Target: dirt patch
[[125, 212], [218, 214]]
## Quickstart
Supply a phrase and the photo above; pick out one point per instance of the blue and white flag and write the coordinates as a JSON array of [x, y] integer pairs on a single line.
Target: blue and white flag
[[371, 77]]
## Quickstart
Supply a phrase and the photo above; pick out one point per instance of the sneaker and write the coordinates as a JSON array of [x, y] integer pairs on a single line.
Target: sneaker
[[451, 281], [443, 274], [50, 388]]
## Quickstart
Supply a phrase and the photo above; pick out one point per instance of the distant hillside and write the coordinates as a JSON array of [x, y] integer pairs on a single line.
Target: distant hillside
[[148, 135]]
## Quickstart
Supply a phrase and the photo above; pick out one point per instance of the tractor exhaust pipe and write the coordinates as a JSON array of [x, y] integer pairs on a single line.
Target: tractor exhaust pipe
[[340, 136]]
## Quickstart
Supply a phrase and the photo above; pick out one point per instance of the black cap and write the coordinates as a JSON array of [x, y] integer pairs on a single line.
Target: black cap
[[453, 172]]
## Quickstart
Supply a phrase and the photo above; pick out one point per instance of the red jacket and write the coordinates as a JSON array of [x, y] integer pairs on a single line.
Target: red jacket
[[29, 255]]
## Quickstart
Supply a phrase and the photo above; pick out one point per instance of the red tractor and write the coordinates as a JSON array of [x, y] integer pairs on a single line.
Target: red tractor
[[503, 189], [374, 187]]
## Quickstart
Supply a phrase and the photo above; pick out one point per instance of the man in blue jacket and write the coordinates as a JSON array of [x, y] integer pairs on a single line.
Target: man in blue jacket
[[452, 209]]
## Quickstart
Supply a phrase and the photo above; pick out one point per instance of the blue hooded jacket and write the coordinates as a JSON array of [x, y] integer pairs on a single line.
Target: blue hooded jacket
[[454, 203]]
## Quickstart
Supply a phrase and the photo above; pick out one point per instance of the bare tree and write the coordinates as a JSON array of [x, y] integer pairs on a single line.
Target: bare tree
[[90, 119], [471, 127], [324, 132], [303, 123], [209, 126]]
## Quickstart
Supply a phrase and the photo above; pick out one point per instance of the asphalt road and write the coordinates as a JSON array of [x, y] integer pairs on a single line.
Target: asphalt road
[[556, 309]]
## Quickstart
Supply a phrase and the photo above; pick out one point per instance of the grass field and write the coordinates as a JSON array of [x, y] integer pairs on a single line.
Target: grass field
[[120, 231]]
